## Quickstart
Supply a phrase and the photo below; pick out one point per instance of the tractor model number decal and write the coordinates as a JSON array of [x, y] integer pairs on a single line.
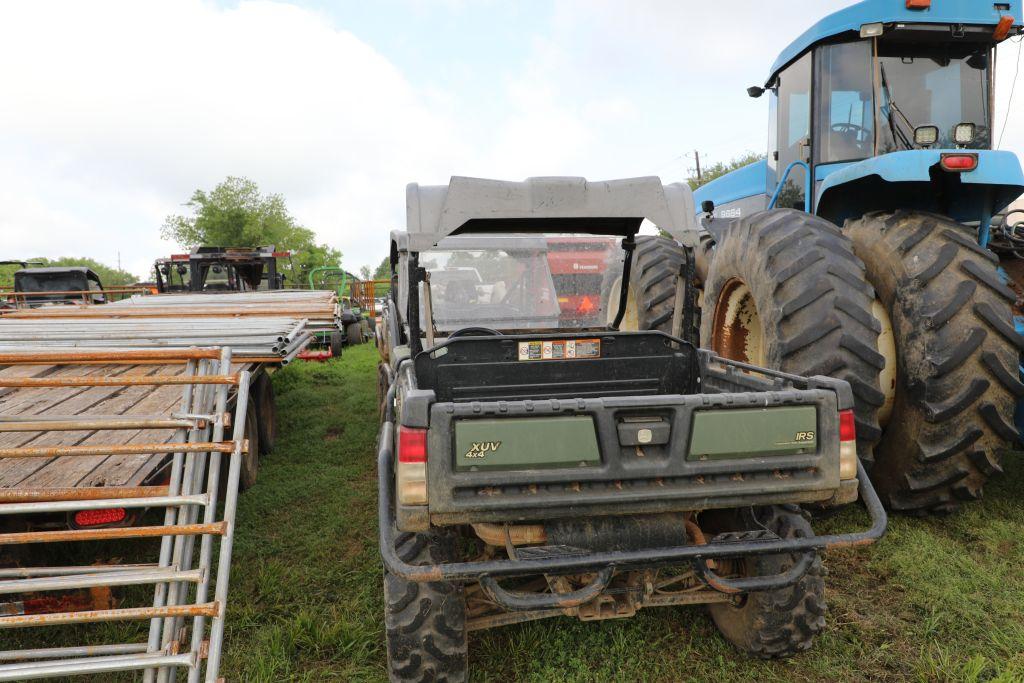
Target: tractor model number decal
[[804, 436], [559, 349], [480, 449]]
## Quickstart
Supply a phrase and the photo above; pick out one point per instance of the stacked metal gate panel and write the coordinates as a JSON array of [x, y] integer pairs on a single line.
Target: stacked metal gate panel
[[189, 580]]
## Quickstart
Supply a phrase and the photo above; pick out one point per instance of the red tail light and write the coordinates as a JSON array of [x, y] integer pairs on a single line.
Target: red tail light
[[1003, 29], [958, 163], [847, 426], [412, 445], [98, 517]]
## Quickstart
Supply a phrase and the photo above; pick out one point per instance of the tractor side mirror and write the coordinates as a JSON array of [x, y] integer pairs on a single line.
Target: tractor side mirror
[[707, 206], [755, 91]]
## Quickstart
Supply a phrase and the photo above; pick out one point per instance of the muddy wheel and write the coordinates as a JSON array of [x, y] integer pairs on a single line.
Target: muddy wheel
[[779, 623], [652, 288], [353, 334], [425, 623], [785, 291], [957, 354], [337, 344], [262, 396], [250, 459]]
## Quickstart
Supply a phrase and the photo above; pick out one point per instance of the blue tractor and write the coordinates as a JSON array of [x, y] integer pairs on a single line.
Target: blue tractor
[[864, 246]]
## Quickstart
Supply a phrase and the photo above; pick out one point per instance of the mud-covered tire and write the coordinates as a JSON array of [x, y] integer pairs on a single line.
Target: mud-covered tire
[[425, 623], [783, 622], [353, 334], [337, 344], [813, 302], [652, 286], [262, 396], [957, 355]]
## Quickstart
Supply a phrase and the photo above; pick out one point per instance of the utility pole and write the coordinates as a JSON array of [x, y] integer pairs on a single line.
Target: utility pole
[[696, 155], [119, 256]]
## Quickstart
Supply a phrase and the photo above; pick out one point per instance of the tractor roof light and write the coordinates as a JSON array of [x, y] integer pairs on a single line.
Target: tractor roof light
[[926, 136], [959, 163], [872, 30], [964, 133], [919, 4]]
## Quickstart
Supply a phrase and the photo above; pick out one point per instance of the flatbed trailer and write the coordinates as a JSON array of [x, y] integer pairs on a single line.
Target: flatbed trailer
[[27, 422]]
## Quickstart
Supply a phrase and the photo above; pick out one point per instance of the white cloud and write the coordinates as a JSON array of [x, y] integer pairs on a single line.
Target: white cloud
[[122, 109]]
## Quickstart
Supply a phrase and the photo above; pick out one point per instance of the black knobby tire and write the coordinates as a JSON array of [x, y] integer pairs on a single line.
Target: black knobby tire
[[262, 396], [425, 623], [813, 301], [783, 622], [337, 343], [957, 354], [250, 459], [652, 285], [353, 334]]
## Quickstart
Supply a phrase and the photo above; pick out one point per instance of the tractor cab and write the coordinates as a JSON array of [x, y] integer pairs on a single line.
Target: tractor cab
[[220, 269], [891, 101]]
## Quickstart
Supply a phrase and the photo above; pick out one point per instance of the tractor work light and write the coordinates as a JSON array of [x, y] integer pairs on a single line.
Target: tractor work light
[[926, 136], [919, 4], [959, 163], [847, 445], [412, 466], [963, 134], [872, 30]]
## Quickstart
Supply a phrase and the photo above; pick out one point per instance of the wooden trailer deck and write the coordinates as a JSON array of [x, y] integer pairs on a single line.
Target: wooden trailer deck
[[27, 479]]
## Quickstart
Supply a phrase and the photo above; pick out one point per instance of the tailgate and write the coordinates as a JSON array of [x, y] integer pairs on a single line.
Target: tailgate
[[548, 458]]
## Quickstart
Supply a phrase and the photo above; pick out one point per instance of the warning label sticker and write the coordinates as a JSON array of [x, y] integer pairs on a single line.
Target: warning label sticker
[[560, 349]]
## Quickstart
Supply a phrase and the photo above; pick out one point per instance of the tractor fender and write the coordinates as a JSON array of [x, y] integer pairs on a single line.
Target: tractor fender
[[892, 181]]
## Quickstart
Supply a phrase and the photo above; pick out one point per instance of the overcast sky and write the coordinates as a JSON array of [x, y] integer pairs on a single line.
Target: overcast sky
[[112, 113]]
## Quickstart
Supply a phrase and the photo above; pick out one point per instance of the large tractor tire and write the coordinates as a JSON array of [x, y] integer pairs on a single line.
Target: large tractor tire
[[353, 334], [652, 289], [957, 354], [425, 623], [785, 291]]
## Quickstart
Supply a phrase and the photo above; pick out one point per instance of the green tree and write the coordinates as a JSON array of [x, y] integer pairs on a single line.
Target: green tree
[[719, 169], [237, 214], [365, 273], [109, 276], [383, 271]]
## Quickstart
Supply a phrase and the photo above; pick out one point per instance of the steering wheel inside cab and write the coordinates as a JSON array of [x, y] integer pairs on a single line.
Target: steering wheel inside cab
[[475, 332]]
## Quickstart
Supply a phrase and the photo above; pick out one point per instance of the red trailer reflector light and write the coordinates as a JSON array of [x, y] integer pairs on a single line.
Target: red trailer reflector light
[[919, 4], [958, 163], [97, 517], [586, 305], [1003, 29], [412, 445], [847, 426]]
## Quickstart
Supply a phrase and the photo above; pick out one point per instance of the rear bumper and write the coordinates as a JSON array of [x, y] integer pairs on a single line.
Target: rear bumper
[[606, 563]]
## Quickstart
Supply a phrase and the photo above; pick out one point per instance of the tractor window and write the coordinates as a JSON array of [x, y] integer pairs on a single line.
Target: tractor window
[[923, 85], [794, 118], [845, 103]]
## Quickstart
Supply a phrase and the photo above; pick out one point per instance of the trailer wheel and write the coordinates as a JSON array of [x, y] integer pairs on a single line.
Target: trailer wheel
[[785, 291], [354, 333], [957, 353], [652, 289], [337, 343], [266, 412], [250, 458], [425, 623], [778, 623]]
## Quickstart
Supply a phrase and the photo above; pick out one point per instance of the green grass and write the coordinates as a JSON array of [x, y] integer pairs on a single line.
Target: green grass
[[937, 599]]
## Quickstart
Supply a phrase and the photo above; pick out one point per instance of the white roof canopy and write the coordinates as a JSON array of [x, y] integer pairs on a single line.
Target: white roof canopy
[[538, 204]]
